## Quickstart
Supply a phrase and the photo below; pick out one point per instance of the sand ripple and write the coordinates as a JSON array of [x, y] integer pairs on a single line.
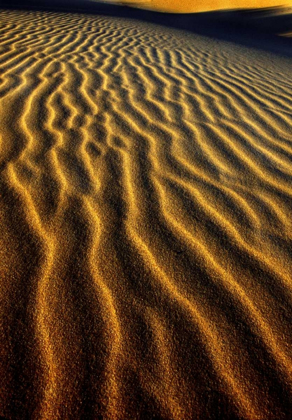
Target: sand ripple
[[146, 223]]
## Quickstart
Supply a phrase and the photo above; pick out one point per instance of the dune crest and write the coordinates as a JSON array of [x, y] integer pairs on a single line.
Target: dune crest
[[191, 6], [146, 223]]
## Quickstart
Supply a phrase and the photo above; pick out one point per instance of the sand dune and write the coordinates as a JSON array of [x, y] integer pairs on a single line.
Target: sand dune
[[191, 6], [146, 223]]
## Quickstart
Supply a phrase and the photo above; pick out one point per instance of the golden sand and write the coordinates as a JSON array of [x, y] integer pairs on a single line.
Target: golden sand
[[191, 6], [146, 227]]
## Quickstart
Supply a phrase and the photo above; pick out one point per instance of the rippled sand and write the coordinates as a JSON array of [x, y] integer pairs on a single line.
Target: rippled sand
[[146, 226]]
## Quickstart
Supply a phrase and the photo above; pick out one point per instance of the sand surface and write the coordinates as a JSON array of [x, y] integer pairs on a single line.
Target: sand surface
[[145, 218], [191, 6]]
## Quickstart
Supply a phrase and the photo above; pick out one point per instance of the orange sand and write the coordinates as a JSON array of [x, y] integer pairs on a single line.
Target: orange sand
[[146, 231], [191, 6]]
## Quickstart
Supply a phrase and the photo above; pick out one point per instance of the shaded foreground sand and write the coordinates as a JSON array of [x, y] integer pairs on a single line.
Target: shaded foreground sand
[[145, 223]]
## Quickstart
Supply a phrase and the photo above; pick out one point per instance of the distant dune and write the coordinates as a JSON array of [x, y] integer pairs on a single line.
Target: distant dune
[[145, 215], [191, 6]]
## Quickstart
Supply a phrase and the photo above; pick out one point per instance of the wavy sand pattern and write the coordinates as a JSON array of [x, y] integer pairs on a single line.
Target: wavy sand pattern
[[146, 223]]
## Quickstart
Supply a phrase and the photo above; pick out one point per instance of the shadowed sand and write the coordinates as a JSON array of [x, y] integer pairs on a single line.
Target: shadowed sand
[[146, 226]]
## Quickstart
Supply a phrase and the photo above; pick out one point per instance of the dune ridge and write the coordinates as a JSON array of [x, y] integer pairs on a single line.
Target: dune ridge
[[189, 6], [146, 223]]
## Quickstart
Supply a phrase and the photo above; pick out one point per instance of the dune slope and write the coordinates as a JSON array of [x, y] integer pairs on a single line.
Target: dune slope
[[145, 219], [191, 6]]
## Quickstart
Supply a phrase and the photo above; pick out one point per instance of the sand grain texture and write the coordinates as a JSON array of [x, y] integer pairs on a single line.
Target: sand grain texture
[[145, 223]]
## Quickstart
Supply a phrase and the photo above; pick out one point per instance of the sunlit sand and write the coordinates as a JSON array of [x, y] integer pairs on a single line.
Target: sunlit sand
[[191, 6], [146, 231]]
